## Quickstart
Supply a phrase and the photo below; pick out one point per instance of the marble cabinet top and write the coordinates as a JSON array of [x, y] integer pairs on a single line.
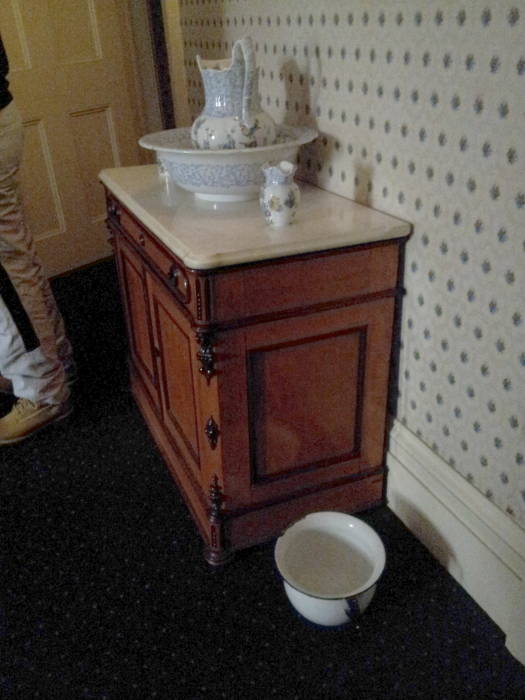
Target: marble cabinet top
[[207, 235]]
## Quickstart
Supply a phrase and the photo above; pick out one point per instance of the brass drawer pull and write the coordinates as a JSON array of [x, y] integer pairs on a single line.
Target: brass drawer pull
[[179, 283], [173, 275], [113, 210]]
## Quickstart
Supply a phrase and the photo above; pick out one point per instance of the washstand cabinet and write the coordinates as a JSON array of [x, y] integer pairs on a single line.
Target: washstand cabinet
[[259, 358]]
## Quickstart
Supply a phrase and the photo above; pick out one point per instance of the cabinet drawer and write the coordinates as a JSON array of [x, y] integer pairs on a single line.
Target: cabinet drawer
[[155, 253], [304, 282]]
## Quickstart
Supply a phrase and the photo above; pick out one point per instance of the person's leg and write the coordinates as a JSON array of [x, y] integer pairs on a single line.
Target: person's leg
[[27, 368], [32, 337], [30, 370], [19, 260]]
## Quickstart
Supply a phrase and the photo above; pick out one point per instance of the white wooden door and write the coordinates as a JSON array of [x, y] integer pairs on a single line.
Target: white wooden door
[[72, 73]]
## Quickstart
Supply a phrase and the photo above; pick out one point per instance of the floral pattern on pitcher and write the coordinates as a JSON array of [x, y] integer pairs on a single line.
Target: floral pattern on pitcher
[[280, 195]]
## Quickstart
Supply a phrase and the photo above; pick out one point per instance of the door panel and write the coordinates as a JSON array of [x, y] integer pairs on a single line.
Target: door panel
[[72, 68]]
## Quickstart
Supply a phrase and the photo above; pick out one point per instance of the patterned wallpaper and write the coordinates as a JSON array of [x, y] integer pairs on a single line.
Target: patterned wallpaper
[[420, 106]]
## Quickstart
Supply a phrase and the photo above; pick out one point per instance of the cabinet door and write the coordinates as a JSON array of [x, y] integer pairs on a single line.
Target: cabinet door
[[135, 297], [178, 385], [312, 392]]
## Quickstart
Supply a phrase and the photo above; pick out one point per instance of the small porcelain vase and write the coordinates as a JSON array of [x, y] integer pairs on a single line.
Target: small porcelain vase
[[232, 116], [280, 195]]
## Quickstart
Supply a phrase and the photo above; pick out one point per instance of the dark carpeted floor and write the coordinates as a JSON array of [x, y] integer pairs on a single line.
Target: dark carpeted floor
[[107, 596]]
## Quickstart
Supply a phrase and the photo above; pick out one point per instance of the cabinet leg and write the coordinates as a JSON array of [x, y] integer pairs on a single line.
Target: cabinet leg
[[216, 553], [216, 557]]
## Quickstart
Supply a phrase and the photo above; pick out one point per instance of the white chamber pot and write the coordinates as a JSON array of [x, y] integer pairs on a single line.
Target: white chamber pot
[[330, 563]]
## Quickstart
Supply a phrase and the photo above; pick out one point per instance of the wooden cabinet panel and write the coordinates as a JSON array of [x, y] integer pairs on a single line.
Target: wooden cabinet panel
[[173, 338], [135, 297], [304, 395], [309, 399], [306, 281], [251, 526]]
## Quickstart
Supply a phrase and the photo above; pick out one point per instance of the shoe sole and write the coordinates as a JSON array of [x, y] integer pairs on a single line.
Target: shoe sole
[[54, 419]]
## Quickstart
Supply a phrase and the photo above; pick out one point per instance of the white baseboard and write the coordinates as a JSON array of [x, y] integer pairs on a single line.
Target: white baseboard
[[473, 539]]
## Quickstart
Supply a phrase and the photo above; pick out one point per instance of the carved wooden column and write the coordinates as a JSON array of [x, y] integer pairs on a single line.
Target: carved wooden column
[[205, 354], [216, 553]]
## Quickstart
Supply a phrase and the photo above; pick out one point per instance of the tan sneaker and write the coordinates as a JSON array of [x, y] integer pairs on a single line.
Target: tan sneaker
[[28, 417]]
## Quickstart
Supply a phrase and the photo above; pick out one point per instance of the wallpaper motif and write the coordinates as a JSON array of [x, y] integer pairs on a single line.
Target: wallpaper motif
[[421, 110]]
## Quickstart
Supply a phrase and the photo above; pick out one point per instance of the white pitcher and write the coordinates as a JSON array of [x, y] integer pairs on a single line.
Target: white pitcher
[[280, 195], [232, 116]]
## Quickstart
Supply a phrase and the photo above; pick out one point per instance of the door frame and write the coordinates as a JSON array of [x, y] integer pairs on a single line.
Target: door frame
[[161, 62]]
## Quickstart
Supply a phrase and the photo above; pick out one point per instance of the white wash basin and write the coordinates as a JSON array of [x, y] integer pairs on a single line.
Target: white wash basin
[[225, 174]]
